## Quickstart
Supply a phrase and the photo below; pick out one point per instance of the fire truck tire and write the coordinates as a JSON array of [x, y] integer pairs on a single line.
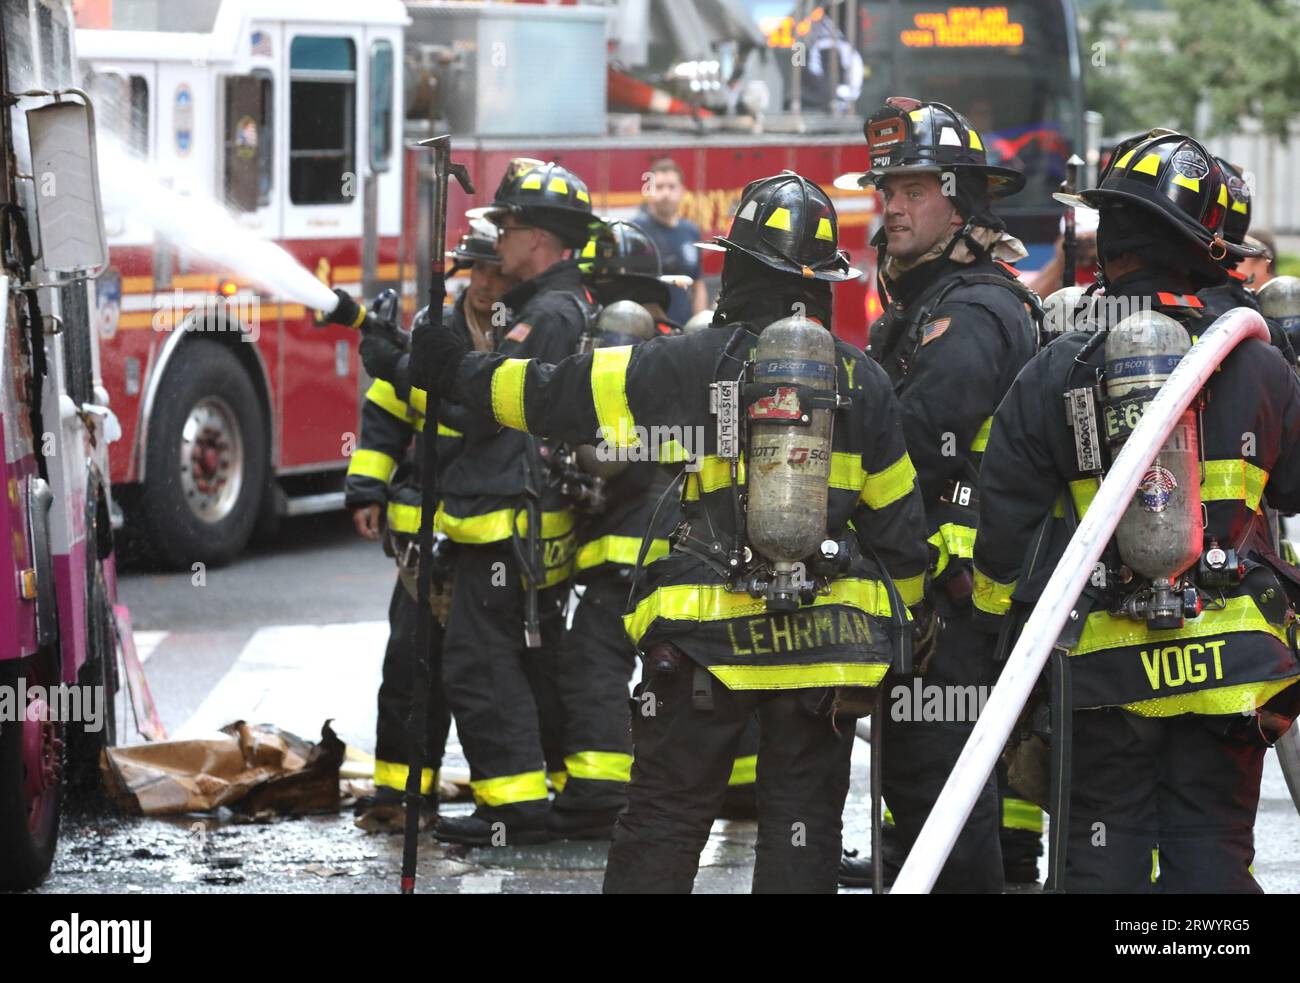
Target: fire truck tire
[[207, 460], [26, 844]]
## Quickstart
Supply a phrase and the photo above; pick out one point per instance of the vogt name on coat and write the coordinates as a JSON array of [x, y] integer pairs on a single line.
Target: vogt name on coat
[[102, 937]]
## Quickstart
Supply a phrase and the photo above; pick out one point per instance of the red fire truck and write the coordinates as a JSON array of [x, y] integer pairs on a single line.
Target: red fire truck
[[292, 113]]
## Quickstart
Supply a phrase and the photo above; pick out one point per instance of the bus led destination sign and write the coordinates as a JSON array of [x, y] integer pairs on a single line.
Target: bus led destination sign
[[964, 27]]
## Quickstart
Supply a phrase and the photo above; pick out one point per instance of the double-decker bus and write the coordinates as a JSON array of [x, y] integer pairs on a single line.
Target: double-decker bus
[[1011, 68]]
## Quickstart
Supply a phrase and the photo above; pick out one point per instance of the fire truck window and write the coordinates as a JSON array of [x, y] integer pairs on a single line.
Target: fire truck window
[[138, 133], [322, 114], [247, 141], [121, 110], [381, 105]]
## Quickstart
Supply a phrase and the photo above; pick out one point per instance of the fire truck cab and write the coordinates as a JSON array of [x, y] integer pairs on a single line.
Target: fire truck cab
[[234, 403]]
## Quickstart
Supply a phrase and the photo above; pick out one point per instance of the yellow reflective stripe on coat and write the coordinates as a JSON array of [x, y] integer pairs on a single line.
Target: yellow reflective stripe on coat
[[806, 676], [981, 440], [847, 473], [405, 518], [1103, 631], [383, 395], [991, 596], [390, 774], [744, 771], [1242, 698], [935, 539], [1223, 481], [1019, 814], [959, 540], [713, 474], [609, 395], [492, 527], [372, 464], [508, 393], [1082, 492], [509, 789], [712, 602], [446, 431], [599, 766], [617, 549], [951, 539], [911, 589], [558, 779], [1229, 481], [886, 487]]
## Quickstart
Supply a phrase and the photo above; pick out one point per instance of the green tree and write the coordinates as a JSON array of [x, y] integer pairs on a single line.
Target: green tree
[[1241, 58]]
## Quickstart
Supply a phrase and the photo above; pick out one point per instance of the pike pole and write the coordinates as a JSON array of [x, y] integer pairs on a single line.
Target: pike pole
[[423, 376], [1070, 242]]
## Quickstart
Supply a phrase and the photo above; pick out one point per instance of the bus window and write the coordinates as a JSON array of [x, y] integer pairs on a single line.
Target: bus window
[[381, 105], [322, 134], [246, 145]]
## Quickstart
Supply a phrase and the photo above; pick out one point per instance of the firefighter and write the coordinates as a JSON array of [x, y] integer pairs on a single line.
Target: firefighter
[[954, 334], [512, 526], [1172, 709], [1236, 291], [383, 492], [724, 628], [621, 265]]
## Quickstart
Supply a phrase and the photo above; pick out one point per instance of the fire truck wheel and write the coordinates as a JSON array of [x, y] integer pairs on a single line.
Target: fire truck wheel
[[207, 459], [31, 792]]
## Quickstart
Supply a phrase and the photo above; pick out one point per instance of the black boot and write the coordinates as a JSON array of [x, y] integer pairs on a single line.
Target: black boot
[[583, 824], [480, 829], [855, 871]]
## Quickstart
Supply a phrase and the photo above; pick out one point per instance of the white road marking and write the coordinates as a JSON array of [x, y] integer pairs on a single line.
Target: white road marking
[[298, 676]]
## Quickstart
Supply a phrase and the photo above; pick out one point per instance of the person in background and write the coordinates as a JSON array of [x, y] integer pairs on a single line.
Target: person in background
[[675, 237], [1258, 270]]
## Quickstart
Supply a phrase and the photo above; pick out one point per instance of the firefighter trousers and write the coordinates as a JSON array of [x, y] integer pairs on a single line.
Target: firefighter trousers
[[1172, 787], [920, 752], [596, 667], [391, 736], [504, 695], [684, 756]]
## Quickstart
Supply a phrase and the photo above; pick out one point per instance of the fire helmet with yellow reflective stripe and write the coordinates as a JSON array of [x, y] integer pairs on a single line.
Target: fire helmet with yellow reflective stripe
[[544, 195], [910, 136], [788, 223], [622, 263], [1237, 222], [1175, 179]]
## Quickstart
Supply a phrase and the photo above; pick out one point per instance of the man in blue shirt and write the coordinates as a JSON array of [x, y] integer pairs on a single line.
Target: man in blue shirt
[[675, 238]]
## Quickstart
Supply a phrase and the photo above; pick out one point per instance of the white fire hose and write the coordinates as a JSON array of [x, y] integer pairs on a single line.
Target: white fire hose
[[1031, 651]]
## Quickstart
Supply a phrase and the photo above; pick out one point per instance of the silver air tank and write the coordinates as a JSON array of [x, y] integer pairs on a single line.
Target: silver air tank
[[789, 452], [1067, 310], [1279, 299], [1160, 533], [698, 321]]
